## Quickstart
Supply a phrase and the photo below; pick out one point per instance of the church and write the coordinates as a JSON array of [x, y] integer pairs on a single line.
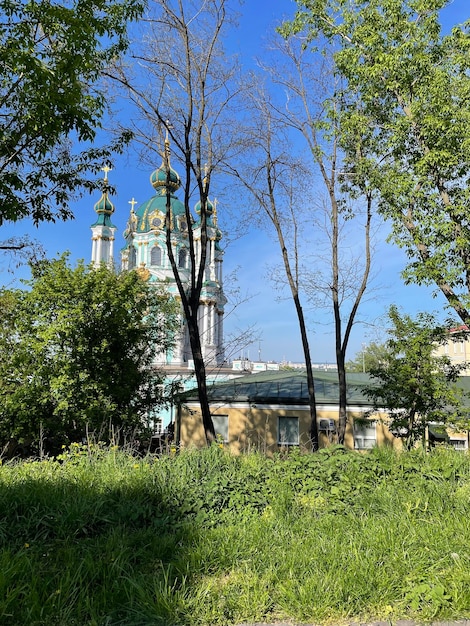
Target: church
[[145, 250]]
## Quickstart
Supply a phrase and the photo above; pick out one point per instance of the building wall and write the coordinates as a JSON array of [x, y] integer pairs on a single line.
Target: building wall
[[253, 427], [457, 349]]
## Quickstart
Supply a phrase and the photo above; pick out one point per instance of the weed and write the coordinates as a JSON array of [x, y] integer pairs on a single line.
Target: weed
[[99, 537]]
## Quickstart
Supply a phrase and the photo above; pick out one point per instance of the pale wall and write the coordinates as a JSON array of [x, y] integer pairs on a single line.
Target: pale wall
[[255, 428]]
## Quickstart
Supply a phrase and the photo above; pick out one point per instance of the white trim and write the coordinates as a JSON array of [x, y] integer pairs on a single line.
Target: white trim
[[278, 407]]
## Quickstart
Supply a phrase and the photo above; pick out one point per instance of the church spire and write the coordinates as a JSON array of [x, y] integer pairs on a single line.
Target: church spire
[[104, 207], [165, 177], [103, 229]]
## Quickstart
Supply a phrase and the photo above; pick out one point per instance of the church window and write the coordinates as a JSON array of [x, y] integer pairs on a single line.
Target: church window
[[156, 256], [132, 257], [182, 258]]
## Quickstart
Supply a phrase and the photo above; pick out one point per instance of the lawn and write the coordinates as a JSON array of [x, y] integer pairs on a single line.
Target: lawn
[[100, 537]]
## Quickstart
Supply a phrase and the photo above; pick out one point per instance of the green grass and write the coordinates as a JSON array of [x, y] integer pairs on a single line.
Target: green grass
[[102, 538]]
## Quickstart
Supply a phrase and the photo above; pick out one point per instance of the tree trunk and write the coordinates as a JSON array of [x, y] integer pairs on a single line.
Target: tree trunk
[[201, 380], [310, 382], [343, 399]]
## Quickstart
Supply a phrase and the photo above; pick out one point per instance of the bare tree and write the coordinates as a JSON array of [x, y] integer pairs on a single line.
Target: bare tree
[[313, 100], [304, 105], [272, 178], [182, 84], [17, 251]]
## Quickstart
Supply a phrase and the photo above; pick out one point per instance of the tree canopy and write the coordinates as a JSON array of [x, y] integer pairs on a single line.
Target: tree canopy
[[51, 57], [76, 352], [371, 355], [414, 385], [406, 132]]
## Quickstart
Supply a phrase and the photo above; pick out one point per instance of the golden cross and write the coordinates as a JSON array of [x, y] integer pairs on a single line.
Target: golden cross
[[106, 169], [132, 203]]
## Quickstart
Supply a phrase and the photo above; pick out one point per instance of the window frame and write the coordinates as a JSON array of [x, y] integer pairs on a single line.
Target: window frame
[[160, 256], [360, 429], [291, 418], [132, 258], [217, 429], [459, 444], [182, 254]]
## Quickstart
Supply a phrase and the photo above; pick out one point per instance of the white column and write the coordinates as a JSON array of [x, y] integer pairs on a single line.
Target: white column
[[99, 248], [111, 250], [212, 260]]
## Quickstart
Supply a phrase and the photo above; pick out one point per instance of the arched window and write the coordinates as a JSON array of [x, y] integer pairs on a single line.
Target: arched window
[[182, 258], [132, 257], [156, 256]]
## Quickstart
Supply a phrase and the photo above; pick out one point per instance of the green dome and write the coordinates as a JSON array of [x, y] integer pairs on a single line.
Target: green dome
[[151, 214], [211, 217], [158, 178], [209, 207], [105, 208]]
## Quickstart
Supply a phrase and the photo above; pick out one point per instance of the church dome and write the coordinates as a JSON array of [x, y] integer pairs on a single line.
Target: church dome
[[209, 207], [158, 178], [151, 215], [104, 207], [211, 217]]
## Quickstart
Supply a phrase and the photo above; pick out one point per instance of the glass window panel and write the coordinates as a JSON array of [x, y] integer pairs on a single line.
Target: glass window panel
[[156, 256], [365, 435], [221, 426], [288, 431]]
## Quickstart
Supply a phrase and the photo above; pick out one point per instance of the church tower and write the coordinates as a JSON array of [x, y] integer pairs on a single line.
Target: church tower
[[146, 251], [103, 229]]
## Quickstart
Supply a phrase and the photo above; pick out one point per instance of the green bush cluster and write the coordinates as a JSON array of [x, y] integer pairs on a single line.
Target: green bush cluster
[[99, 537]]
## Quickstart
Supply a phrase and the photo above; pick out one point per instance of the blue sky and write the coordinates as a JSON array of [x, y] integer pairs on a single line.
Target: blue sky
[[252, 255]]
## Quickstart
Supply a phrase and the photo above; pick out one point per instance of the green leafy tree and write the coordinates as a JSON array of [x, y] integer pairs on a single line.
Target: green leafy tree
[[51, 56], [76, 352], [371, 355], [414, 386], [406, 133]]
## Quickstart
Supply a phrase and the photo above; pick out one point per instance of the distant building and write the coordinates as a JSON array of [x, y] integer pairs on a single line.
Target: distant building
[[457, 348], [103, 229], [245, 365], [145, 250], [269, 412]]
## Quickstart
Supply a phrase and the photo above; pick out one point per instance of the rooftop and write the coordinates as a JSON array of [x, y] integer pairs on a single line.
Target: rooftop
[[287, 387]]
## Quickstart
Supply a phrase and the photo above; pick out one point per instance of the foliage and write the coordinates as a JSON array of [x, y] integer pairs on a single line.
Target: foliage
[[406, 135], [76, 350], [415, 386], [372, 355], [99, 536], [51, 56]]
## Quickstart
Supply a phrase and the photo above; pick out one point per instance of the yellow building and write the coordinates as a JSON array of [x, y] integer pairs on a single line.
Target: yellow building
[[457, 348], [269, 411]]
